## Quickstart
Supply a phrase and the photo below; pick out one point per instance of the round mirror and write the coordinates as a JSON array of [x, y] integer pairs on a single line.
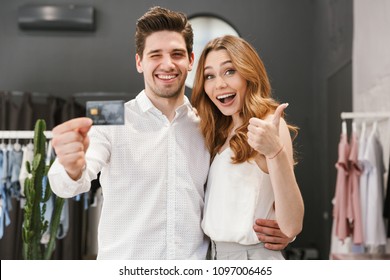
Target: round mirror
[[206, 28]]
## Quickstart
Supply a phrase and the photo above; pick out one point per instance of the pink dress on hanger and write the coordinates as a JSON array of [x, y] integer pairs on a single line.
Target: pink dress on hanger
[[341, 200], [354, 213]]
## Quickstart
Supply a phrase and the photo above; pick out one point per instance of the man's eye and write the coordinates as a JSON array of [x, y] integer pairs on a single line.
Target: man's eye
[[178, 55]]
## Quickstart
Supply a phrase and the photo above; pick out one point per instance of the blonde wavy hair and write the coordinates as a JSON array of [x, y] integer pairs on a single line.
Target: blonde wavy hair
[[258, 101]]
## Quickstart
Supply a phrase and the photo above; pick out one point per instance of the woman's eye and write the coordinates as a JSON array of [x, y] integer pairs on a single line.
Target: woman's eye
[[230, 72], [208, 77]]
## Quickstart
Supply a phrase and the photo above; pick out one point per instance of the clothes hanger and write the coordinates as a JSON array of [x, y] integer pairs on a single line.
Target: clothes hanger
[[9, 145], [49, 150], [363, 131], [375, 126], [374, 129], [30, 144], [344, 127], [2, 145], [17, 145]]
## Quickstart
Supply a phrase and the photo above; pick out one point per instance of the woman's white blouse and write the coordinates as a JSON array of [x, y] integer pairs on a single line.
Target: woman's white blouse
[[236, 195]]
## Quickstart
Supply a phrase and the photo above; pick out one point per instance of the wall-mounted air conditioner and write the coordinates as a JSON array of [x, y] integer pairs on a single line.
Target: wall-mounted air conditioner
[[56, 17]]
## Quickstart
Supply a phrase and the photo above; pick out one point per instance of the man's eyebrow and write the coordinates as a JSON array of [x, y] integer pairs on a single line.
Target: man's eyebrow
[[179, 50], [153, 51]]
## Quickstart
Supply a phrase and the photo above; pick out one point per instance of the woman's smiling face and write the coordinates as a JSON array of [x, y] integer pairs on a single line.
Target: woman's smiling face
[[223, 84]]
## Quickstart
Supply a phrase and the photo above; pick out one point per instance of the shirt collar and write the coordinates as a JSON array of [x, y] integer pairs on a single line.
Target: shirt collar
[[145, 104]]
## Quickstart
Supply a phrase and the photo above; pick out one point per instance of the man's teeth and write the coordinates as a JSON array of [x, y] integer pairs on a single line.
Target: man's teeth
[[166, 77], [225, 95]]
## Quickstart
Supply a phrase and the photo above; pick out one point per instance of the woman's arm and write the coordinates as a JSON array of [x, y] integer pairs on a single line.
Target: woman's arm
[[289, 208], [271, 138]]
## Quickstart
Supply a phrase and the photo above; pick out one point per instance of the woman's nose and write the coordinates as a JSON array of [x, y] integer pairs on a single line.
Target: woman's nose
[[220, 82]]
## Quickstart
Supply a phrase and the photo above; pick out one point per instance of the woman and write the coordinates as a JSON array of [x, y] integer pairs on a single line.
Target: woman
[[251, 174]]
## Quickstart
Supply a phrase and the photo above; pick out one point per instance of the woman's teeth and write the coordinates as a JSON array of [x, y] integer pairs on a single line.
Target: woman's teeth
[[226, 97]]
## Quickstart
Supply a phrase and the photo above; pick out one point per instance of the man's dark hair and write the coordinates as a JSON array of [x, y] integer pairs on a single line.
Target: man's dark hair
[[161, 19]]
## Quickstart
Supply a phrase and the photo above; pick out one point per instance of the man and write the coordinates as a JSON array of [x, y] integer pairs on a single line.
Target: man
[[153, 168]]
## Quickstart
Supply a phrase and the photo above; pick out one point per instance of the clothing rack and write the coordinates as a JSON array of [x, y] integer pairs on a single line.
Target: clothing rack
[[374, 116], [21, 134], [363, 115]]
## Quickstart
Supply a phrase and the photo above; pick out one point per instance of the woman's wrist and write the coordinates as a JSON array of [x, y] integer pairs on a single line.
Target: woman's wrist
[[277, 153]]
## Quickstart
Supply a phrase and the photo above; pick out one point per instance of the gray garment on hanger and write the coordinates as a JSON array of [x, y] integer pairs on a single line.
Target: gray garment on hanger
[[15, 163]]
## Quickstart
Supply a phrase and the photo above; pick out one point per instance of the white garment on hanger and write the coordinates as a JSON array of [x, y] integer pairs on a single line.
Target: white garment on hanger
[[375, 225], [28, 155], [363, 183]]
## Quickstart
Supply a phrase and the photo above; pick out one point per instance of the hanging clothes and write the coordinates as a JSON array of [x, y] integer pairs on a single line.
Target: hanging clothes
[[341, 200], [355, 213], [28, 155], [4, 212], [354, 209], [340, 241], [363, 180], [375, 226], [19, 111], [15, 162], [386, 208], [7, 176]]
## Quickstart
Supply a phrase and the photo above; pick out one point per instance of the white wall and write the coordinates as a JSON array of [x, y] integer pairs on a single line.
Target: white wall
[[371, 63]]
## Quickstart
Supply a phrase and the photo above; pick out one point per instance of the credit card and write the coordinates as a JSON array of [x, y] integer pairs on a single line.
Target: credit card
[[111, 112]]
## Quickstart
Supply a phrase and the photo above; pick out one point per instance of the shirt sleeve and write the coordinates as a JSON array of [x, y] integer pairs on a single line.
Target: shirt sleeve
[[64, 186]]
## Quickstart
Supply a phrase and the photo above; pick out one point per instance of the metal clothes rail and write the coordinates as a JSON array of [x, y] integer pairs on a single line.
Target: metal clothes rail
[[363, 115], [21, 134]]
